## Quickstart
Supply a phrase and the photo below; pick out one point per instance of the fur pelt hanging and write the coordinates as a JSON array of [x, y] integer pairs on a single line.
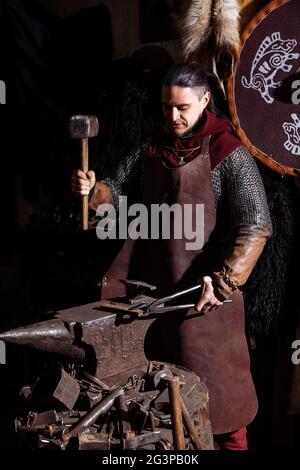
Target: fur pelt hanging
[[271, 287], [209, 32]]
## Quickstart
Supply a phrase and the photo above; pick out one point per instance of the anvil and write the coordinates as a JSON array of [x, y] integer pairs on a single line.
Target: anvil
[[107, 336], [107, 343]]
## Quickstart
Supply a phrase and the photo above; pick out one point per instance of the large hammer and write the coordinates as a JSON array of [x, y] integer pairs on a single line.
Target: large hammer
[[83, 127]]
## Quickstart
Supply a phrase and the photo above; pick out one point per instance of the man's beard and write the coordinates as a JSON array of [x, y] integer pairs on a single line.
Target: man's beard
[[188, 132]]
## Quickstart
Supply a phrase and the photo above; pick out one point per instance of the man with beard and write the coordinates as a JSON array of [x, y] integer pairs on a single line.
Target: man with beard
[[195, 159]]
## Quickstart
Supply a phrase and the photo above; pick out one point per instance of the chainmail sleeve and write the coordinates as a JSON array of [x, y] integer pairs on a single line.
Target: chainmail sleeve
[[127, 179], [238, 186], [243, 220]]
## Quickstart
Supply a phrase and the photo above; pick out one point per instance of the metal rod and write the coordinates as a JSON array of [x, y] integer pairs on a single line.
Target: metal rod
[[98, 410]]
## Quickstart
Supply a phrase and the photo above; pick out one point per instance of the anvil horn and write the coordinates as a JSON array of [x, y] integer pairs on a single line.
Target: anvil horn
[[51, 335]]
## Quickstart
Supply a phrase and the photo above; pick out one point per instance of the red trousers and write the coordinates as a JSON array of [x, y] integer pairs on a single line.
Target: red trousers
[[236, 440]]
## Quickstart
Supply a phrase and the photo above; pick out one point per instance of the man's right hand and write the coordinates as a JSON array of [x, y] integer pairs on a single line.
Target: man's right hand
[[82, 183]]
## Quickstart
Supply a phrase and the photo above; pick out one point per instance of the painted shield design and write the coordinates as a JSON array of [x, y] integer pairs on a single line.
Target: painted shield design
[[264, 90]]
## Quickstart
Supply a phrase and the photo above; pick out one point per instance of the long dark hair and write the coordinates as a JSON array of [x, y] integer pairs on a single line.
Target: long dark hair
[[190, 75]]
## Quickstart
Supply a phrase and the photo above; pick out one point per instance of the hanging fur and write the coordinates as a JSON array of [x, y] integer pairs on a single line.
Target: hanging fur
[[209, 31], [194, 25], [225, 19], [272, 283]]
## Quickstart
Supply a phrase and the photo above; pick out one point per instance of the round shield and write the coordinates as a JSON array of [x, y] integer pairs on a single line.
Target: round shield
[[264, 90]]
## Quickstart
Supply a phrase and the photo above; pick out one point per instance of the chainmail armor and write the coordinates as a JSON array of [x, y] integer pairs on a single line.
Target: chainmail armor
[[230, 178], [128, 177]]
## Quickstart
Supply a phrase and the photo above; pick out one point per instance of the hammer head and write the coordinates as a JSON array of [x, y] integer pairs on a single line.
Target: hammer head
[[82, 127]]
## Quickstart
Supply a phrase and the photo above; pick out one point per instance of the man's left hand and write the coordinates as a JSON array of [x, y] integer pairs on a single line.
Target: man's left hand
[[207, 301]]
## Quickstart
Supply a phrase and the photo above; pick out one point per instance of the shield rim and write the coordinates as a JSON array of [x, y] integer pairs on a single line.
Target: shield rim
[[256, 152]]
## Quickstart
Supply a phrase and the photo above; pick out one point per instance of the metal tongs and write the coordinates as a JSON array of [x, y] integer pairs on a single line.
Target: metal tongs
[[158, 305]]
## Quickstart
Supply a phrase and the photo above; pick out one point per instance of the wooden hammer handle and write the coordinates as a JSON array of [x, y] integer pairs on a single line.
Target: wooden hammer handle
[[85, 169], [176, 413], [189, 425]]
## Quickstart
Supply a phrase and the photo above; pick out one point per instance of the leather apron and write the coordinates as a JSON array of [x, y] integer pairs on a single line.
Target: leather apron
[[211, 344]]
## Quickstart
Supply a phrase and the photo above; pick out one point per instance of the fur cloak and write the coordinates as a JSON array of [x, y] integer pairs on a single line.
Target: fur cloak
[[209, 32]]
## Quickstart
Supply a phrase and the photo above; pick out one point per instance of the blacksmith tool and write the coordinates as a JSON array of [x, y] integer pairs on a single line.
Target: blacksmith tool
[[84, 127], [176, 413], [158, 305]]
